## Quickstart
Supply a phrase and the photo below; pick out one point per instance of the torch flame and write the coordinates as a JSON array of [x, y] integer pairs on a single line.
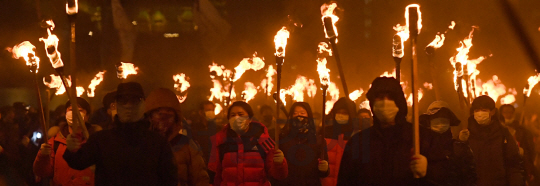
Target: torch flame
[[494, 88], [74, 9], [80, 91], [27, 51], [181, 84], [297, 90], [281, 41], [419, 16], [217, 109], [249, 92], [268, 81], [56, 83], [327, 10], [51, 46], [365, 105], [95, 82], [438, 41], [356, 94], [428, 86], [402, 34], [216, 70], [126, 69], [533, 80], [333, 92], [452, 25], [255, 63]]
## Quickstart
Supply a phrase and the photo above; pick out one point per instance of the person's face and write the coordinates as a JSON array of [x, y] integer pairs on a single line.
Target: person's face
[[130, 108], [492, 112], [300, 111], [383, 97], [364, 115], [208, 107], [81, 110], [162, 120], [507, 113], [342, 111], [238, 111]]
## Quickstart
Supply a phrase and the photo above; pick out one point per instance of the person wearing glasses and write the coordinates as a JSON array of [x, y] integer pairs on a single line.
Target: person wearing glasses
[[129, 154]]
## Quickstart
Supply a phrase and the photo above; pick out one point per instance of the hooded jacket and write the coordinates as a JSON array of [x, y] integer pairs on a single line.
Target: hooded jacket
[[245, 160], [303, 150], [189, 159], [337, 135], [56, 167], [381, 156], [450, 161], [129, 154]]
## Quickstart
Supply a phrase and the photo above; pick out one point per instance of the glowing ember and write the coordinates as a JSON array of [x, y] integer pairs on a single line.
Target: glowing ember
[[327, 11], [126, 69], [95, 82], [27, 51], [51, 46], [533, 80], [181, 84], [281, 41], [255, 63], [249, 92], [356, 94]]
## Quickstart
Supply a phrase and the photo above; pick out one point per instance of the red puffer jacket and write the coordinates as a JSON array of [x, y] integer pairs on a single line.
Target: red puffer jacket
[[335, 152], [245, 160], [55, 166]]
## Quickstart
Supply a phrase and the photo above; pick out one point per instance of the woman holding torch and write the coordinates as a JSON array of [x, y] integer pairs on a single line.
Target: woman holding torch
[[302, 147]]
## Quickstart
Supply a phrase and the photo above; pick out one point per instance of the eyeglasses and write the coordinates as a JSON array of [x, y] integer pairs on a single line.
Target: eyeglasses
[[134, 100]]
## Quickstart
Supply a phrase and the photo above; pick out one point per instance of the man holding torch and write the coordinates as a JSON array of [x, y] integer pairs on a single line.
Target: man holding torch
[[381, 155], [129, 154]]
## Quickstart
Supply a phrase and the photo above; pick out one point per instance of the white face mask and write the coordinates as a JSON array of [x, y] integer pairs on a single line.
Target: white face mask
[[239, 124], [440, 125], [482, 117], [342, 119], [210, 115], [385, 110], [69, 117]]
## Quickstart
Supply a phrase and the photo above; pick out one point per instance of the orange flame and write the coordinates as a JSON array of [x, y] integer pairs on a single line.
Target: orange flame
[[403, 31], [255, 63], [181, 84], [510, 98], [327, 10], [365, 105], [80, 91], [324, 73], [27, 51], [419, 16], [452, 25], [126, 69], [51, 46], [494, 88], [95, 82], [410, 97], [268, 81], [281, 41], [297, 90], [74, 9], [438, 41], [428, 86], [249, 92], [56, 83], [356, 94], [333, 92], [217, 109], [533, 80]]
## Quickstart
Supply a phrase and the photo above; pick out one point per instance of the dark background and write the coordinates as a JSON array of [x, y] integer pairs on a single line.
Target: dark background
[[365, 38]]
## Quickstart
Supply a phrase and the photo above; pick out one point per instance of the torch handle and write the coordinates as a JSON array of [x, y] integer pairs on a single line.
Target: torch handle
[[78, 116], [338, 62], [398, 68], [323, 113], [414, 64], [42, 120], [279, 61]]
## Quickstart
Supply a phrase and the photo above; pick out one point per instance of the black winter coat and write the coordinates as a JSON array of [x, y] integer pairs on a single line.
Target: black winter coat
[[129, 154], [496, 154]]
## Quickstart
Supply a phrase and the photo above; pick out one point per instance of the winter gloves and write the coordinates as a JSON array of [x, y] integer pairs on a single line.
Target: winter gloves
[[419, 166], [278, 157], [323, 165], [464, 135], [45, 149]]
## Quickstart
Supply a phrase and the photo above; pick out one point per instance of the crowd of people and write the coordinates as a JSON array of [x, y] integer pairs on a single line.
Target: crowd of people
[[138, 139]]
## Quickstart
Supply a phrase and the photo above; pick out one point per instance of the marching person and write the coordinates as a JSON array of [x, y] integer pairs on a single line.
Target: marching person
[[163, 111], [496, 153], [450, 161], [204, 126], [129, 154], [243, 152], [49, 161], [381, 155], [339, 128], [305, 151]]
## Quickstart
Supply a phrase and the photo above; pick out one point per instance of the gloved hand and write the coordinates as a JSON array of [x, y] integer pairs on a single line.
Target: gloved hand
[[464, 135], [73, 142], [323, 165], [419, 166], [45, 149], [278, 157]]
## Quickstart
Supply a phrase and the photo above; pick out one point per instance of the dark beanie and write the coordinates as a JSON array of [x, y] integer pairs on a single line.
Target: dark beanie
[[242, 104], [482, 102], [82, 103], [108, 99]]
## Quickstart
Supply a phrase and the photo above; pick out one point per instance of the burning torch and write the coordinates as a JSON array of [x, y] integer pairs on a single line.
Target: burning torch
[[329, 22], [397, 52], [430, 51], [27, 51], [414, 23], [280, 41], [532, 81]]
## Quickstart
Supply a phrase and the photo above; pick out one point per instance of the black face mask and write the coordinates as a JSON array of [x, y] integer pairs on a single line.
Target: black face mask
[[301, 124]]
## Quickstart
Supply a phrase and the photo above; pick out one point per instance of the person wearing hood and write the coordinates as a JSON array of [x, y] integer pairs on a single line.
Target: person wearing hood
[[305, 151], [341, 124], [523, 137], [128, 154], [163, 112], [104, 116], [450, 161], [382, 154], [496, 153], [243, 152], [49, 161]]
